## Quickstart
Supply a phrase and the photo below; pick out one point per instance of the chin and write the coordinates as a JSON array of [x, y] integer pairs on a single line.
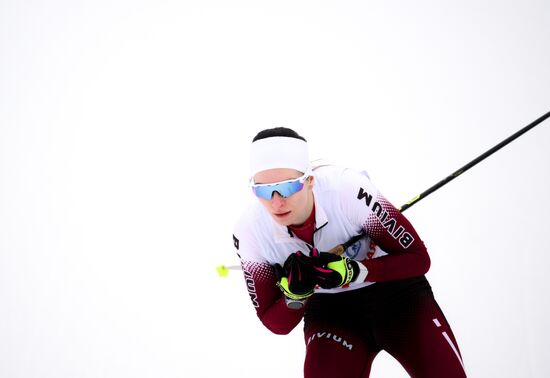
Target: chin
[[282, 222]]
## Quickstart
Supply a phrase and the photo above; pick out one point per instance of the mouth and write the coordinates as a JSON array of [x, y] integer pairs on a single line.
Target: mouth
[[281, 215]]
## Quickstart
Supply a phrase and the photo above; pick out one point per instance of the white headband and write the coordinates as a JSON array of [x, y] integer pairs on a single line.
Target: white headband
[[278, 152]]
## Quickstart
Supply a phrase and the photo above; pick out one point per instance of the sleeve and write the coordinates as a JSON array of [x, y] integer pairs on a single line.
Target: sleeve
[[366, 207], [260, 280]]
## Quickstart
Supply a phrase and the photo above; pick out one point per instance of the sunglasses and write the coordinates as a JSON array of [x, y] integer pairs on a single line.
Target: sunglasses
[[284, 188]]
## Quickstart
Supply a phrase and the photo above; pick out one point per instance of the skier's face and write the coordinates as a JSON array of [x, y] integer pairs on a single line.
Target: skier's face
[[292, 210]]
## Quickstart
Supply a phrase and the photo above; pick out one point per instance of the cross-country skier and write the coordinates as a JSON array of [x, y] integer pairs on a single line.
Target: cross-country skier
[[373, 297]]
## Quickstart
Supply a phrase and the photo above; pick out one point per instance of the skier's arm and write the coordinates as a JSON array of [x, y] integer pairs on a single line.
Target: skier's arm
[[407, 255], [266, 297]]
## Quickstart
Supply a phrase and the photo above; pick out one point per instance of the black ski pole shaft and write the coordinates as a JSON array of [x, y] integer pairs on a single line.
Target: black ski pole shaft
[[339, 249], [474, 162]]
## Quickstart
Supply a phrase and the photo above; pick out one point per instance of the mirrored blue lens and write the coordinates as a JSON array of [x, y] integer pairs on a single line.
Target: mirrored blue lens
[[285, 189]]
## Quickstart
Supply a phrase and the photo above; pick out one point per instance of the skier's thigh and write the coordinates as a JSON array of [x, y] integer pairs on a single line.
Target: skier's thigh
[[333, 352]]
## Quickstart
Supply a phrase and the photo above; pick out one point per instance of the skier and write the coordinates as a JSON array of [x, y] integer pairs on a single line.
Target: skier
[[373, 297]]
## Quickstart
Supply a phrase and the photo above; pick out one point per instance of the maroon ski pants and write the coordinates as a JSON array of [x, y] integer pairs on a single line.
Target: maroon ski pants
[[344, 332]]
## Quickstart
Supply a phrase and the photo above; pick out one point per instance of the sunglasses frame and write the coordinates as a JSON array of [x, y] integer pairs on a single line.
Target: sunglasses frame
[[281, 186]]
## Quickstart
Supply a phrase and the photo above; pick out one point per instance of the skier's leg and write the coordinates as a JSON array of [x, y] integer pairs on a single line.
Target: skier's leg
[[333, 351], [417, 334]]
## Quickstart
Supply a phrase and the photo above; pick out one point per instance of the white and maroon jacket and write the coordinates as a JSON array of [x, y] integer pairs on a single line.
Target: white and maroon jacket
[[346, 204]]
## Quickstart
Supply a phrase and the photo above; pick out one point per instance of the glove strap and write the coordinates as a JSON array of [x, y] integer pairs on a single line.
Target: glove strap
[[344, 268], [283, 285]]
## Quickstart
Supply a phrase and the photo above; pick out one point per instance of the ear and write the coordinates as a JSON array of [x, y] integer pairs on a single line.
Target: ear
[[310, 181]]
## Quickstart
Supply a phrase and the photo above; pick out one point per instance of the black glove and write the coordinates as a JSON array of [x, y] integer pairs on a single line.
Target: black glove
[[296, 278], [333, 271]]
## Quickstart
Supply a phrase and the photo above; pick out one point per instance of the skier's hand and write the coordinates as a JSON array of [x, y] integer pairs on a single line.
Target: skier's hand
[[296, 277], [333, 271]]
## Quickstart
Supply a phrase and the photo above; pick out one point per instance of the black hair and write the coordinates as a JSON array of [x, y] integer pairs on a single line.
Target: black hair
[[278, 132]]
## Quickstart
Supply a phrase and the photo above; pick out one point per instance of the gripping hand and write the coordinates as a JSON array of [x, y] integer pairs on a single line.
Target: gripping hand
[[296, 278], [333, 271]]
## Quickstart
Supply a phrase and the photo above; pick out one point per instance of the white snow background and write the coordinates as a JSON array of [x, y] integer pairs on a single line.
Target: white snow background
[[124, 135]]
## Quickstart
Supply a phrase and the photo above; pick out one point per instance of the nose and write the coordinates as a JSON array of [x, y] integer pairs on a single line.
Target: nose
[[277, 201]]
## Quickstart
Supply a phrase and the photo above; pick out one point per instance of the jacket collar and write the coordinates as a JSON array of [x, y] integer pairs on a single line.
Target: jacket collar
[[282, 234]]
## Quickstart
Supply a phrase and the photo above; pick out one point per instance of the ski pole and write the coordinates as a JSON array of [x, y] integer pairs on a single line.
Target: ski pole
[[339, 249], [478, 159], [223, 270]]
